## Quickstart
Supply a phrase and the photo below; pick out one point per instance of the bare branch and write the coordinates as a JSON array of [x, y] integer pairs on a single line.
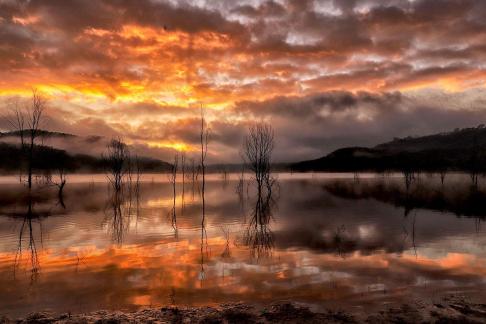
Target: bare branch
[[116, 159], [257, 151], [27, 122]]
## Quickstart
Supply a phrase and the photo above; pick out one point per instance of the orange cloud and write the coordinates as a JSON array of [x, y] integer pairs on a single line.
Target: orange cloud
[[142, 52]]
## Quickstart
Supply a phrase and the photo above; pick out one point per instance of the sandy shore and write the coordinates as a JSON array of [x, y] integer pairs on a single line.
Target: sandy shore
[[453, 309]]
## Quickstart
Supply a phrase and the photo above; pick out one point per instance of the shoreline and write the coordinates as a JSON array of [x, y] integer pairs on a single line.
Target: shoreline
[[451, 309]]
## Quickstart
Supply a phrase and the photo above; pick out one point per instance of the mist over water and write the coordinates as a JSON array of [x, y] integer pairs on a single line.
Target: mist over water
[[326, 239]]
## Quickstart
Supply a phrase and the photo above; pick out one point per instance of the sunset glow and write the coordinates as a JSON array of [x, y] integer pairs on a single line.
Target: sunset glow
[[142, 69], [253, 161]]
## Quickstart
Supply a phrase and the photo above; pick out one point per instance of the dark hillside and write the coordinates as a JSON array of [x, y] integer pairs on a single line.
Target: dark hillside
[[463, 149], [48, 158], [465, 138]]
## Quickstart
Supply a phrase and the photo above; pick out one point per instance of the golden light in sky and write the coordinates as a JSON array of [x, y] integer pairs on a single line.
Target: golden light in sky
[[136, 68]]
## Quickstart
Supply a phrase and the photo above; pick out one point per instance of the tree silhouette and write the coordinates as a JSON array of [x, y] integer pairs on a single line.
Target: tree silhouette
[[257, 152], [26, 121], [116, 162]]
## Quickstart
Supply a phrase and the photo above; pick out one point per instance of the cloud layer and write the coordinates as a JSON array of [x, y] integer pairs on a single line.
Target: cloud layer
[[326, 73]]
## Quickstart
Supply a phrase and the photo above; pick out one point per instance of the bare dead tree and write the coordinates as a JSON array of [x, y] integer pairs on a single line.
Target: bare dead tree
[[130, 170], [173, 179], [138, 175], [197, 186], [204, 138], [33, 125], [473, 163], [227, 250], [408, 176], [224, 175], [115, 160], [119, 168], [183, 170], [197, 172], [183, 167], [241, 183], [257, 152], [59, 183], [193, 171], [442, 173], [27, 122], [60, 167], [192, 176], [188, 168]]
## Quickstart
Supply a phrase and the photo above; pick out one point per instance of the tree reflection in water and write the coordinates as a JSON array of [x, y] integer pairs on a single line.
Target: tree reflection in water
[[20, 206], [258, 236], [460, 199], [119, 212], [204, 252], [27, 225]]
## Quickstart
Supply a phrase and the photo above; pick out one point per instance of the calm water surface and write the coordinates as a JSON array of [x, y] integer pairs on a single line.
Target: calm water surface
[[318, 239]]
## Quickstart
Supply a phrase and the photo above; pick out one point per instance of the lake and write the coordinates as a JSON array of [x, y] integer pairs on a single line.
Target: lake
[[319, 239]]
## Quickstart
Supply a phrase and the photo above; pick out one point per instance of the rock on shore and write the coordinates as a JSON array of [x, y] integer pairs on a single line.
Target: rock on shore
[[449, 310]]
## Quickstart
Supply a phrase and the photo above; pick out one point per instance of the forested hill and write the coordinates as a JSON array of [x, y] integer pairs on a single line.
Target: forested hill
[[40, 133], [461, 149], [457, 139], [48, 158]]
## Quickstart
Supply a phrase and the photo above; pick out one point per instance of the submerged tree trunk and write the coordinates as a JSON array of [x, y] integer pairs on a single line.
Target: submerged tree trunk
[[31, 156], [60, 194]]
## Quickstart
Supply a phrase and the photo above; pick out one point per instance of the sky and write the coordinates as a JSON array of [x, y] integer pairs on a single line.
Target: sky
[[324, 73]]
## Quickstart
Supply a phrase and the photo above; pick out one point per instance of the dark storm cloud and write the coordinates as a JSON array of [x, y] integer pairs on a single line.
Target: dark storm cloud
[[325, 33], [326, 73], [317, 124], [305, 127], [51, 37], [74, 16], [149, 109], [266, 9], [312, 106]]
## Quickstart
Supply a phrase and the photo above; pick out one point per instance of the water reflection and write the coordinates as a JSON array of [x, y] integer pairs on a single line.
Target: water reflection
[[118, 216], [258, 236], [461, 198], [21, 209], [204, 233], [312, 240], [27, 220]]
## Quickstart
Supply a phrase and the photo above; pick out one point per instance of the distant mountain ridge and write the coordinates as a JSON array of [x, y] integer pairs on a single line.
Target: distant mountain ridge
[[457, 139], [41, 133], [461, 149], [48, 157]]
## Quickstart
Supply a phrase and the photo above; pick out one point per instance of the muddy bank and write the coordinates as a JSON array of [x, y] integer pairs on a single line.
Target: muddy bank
[[452, 309]]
